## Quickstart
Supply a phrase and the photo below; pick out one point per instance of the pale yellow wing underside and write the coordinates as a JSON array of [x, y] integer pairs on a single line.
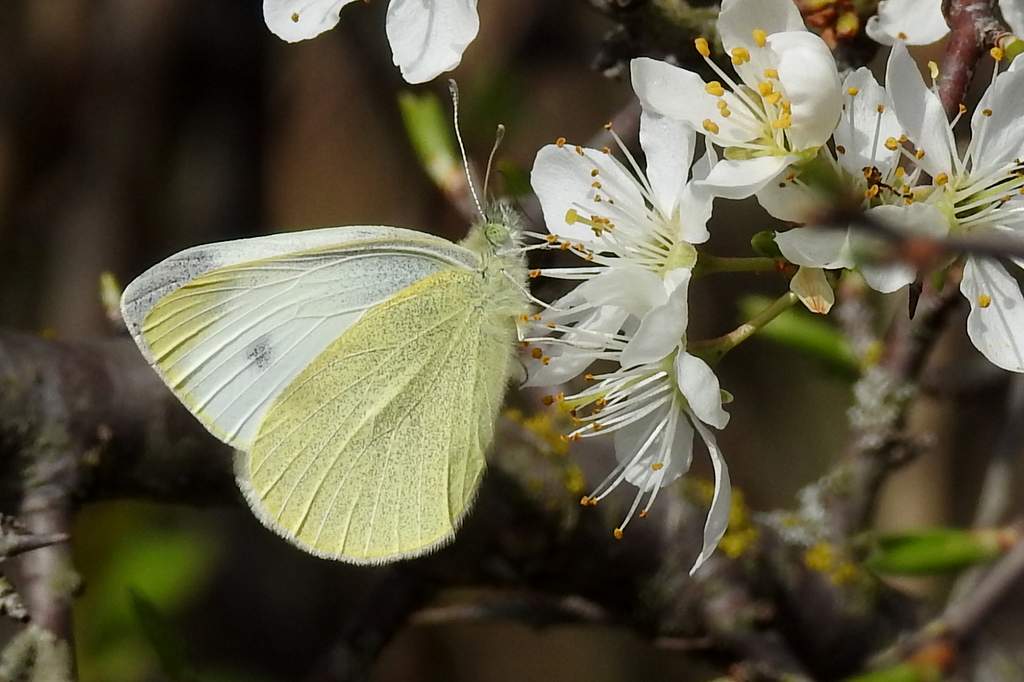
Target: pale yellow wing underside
[[375, 451]]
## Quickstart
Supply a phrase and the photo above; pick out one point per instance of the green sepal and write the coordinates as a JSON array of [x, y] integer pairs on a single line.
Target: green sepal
[[429, 131], [763, 244]]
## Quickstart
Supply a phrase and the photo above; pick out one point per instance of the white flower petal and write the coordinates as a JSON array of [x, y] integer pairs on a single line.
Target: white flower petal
[[721, 504], [915, 22], [920, 112], [999, 137], [996, 321], [668, 145], [807, 72], [1013, 12], [679, 94], [740, 179], [819, 247], [740, 18], [632, 288], [630, 439], [813, 289], [562, 179], [295, 20], [661, 329], [888, 277], [791, 201], [861, 126], [428, 36], [699, 385]]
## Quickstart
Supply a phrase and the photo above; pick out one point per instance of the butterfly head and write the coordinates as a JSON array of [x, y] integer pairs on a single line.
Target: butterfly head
[[502, 227]]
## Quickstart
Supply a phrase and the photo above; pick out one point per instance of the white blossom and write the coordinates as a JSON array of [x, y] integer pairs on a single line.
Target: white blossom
[[780, 110], [427, 37]]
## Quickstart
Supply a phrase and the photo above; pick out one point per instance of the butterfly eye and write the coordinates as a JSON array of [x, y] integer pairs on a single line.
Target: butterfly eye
[[497, 234]]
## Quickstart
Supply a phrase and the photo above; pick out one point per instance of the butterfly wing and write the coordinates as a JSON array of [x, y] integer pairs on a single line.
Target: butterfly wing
[[228, 326], [374, 452]]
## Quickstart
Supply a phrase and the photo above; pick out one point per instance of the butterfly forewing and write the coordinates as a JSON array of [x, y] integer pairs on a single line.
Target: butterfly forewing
[[229, 326], [382, 460]]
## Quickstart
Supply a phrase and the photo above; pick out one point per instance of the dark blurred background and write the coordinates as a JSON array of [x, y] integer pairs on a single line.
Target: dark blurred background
[[131, 129]]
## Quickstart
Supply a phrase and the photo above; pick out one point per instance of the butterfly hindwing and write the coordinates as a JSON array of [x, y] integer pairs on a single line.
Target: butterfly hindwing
[[382, 460]]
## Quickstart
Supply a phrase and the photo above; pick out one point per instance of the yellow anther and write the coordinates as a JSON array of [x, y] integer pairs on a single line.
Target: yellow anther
[[984, 300], [548, 400], [536, 353], [783, 122], [941, 179], [773, 98], [765, 88], [710, 126], [740, 56], [534, 274], [594, 173], [295, 17], [919, 154], [852, 91], [997, 53], [725, 112], [617, 533], [933, 69], [872, 192], [963, 108], [902, 36], [900, 172], [657, 466], [771, 73], [892, 144], [880, 108], [722, 104], [702, 47], [571, 217], [840, 149], [579, 150], [904, 139], [606, 150], [714, 88], [642, 514], [560, 142], [596, 184], [986, 112], [760, 37]]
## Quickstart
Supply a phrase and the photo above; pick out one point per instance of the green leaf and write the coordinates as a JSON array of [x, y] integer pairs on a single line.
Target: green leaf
[[429, 131], [810, 334], [932, 551]]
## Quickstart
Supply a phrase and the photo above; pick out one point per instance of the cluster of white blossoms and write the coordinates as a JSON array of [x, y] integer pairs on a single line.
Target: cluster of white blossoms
[[773, 127]]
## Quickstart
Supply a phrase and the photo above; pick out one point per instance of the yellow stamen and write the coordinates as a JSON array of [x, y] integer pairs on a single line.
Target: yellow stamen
[[765, 88], [892, 144], [710, 126], [702, 47], [617, 533], [740, 56], [714, 88], [657, 466], [933, 69], [941, 179], [783, 122], [984, 300], [771, 73], [760, 37], [560, 142], [986, 112], [853, 92], [997, 53], [773, 98]]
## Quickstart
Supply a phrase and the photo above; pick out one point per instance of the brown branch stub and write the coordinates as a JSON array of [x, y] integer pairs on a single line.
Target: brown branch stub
[[974, 27]]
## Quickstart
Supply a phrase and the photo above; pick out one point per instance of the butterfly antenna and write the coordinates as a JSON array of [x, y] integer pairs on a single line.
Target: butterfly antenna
[[453, 87], [499, 135]]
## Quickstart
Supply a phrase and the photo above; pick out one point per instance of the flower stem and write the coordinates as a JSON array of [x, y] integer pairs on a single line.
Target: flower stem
[[713, 350], [709, 265]]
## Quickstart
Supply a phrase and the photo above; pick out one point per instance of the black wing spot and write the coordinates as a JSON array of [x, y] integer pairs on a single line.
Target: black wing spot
[[260, 354]]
